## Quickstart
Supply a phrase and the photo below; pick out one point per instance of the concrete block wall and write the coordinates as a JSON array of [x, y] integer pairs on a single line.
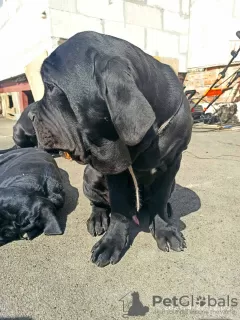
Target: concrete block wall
[[28, 28], [159, 27]]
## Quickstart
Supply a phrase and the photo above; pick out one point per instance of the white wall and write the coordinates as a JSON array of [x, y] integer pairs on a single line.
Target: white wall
[[160, 27], [212, 36], [23, 34]]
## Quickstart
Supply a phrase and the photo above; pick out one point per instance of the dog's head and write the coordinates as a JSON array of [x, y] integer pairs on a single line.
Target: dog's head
[[23, 131], [56, 126], [94, 126], [24, 217], [9, 228]]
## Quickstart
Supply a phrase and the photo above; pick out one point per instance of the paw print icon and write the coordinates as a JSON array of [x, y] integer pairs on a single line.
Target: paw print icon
[[201, 301]]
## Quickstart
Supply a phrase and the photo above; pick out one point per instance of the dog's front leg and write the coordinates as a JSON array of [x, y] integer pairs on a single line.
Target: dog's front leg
[[96, 190], [110, 248], [164, 224]]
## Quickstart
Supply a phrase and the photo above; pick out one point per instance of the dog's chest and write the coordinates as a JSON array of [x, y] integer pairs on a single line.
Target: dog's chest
[[147, 177]]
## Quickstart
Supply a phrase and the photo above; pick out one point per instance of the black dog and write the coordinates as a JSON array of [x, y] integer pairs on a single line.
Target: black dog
[[124, 114], [24, 134], [23, 131], [31, 191]]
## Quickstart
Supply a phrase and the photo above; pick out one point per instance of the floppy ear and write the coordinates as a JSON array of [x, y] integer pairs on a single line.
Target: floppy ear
[[131, 114], [42, 217], [51, 225]]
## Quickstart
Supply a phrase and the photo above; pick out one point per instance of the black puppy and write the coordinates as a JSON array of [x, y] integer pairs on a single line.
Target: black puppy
[[124, 114], [31, 191], [24, 134]]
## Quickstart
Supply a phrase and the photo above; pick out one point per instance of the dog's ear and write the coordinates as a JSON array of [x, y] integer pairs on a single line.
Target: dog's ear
[[131, 113], [51, 225]]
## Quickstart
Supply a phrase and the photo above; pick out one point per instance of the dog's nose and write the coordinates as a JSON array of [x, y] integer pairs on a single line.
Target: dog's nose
[[31, 115]]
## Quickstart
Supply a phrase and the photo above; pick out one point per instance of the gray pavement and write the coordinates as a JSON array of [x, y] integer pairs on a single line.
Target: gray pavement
[[53, 277]]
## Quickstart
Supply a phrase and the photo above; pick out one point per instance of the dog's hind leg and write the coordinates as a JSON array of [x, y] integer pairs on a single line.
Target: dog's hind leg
[[96, 190], [164, 223]]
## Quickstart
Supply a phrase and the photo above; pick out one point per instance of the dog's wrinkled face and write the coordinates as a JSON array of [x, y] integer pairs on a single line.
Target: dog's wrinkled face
[[55, 125], [11, 228], [16, 227], [94, 126]]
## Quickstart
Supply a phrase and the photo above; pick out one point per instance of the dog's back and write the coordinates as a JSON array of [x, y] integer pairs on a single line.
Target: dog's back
[[33, 170], [90, 53], [27, 161]]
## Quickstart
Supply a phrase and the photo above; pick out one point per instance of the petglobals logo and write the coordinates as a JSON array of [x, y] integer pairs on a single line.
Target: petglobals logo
[[192, 301]]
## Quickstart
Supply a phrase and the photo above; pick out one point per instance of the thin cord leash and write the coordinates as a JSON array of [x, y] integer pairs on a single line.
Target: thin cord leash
[[136, 188]]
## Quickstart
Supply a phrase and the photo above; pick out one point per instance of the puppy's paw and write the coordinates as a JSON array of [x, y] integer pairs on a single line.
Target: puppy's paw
[[167, 236], [98, 222], [110, 248]]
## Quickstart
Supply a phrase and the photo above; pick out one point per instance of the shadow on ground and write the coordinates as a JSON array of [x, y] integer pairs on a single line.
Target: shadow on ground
[[183, 201], [71, 200]]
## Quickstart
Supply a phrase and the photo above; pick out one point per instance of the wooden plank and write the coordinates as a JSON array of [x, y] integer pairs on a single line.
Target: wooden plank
[[32, 71], [15, 88], [23, 100], [173, 62], [4, 99], [14, 112]]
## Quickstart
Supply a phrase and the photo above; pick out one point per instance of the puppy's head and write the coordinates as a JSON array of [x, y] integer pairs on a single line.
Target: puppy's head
[[12, 228], [9, 228], [24, 217], [96, 126], [23, 131]]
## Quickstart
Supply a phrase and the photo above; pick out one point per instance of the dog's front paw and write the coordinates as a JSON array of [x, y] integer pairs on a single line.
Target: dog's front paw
[[98, 222], [167, 236], [110, 248]]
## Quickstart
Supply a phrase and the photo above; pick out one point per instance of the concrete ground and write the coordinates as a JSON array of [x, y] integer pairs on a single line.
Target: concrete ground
[[53, 277]]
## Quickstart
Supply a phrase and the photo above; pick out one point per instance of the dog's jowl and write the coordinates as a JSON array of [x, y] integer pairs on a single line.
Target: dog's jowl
[[123, 114], [31, 192]]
